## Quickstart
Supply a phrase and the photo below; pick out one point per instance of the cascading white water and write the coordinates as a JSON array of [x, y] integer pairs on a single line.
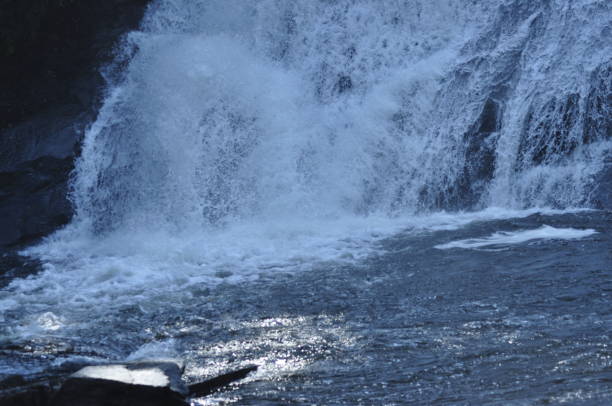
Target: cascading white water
[[276, 133], [231, 110], [269, 109]]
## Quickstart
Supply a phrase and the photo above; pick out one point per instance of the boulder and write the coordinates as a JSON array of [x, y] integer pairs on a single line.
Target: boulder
[[140, 383]]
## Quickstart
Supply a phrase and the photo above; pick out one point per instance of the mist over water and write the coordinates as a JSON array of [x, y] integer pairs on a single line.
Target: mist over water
[[241, 139]]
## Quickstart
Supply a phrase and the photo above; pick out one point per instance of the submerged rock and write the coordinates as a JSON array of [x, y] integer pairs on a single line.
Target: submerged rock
[[212, 385]]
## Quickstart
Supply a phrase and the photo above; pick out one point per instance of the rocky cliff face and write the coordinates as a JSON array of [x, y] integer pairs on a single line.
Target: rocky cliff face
[[51, 87]]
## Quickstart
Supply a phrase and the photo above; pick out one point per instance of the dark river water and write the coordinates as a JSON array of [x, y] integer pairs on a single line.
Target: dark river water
[[500, 324]]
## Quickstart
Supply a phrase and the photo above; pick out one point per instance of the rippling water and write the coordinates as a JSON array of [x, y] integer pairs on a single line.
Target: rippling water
[[377, 205], [514, 322]]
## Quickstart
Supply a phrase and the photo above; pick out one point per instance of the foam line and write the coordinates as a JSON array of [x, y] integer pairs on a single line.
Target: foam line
[[518, 237]]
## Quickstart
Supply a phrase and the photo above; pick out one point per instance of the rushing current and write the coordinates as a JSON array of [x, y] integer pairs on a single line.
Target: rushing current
[[243, 142]]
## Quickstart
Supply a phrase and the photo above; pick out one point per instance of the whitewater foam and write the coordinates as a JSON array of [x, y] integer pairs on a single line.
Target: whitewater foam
[[153, 271], [505, 238]]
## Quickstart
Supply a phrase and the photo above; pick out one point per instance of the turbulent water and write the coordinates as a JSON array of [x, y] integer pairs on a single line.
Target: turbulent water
[[243, 144]]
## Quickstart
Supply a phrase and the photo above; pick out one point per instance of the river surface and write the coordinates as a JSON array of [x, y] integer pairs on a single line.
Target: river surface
[[512, 311], [374, 201]]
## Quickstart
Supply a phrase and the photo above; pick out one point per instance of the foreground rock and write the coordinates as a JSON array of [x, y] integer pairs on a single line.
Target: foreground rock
[[135, 384], [18, 391], [140, 383]]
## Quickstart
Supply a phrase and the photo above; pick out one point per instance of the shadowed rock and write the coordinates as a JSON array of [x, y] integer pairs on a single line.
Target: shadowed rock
[[141, 383], [17, 390], [31, 395], [134, 384]]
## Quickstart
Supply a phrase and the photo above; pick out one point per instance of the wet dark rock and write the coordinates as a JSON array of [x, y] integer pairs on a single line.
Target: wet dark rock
[[17, 390], [602, 193], [566, 122], [98, 392], [598, 116], [34, 199], [547, 135], [52, 86], [136, 383], [481, 142], [139, 383], [555, 131], [37, 395], [12, 381], [598, 126], [212, 385]]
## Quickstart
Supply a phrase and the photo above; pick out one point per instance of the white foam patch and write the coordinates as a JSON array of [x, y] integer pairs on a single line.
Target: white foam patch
[[503, 238]]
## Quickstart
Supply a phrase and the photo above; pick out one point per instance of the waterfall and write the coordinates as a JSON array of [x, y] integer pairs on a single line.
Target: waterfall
[[231, 110], [239, 138]]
